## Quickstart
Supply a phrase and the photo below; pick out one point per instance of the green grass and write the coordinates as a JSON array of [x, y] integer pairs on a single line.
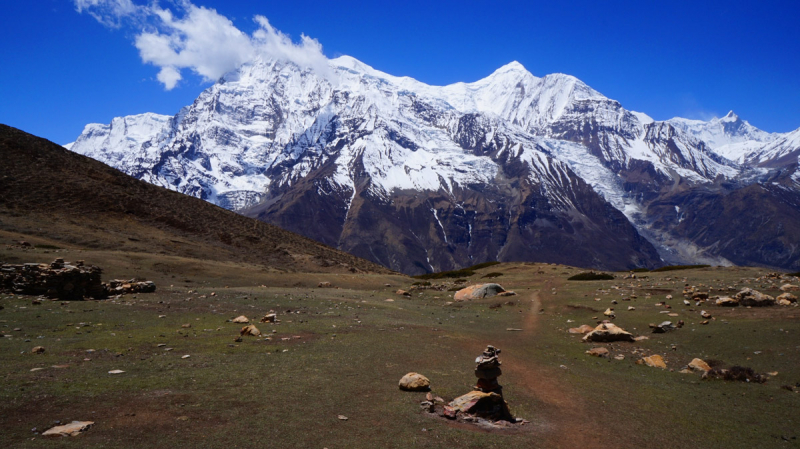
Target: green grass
[[354, 346], [678, 267], [590, 276]]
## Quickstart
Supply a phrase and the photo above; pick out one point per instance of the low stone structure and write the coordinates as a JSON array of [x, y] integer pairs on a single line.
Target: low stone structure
[[66, 281], [57, 280]]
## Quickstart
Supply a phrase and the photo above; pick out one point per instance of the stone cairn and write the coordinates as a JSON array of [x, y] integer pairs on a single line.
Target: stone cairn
[[485, 404], [487, 370]]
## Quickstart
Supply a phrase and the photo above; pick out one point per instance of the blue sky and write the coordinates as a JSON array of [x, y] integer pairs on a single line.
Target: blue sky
[[62, 69]]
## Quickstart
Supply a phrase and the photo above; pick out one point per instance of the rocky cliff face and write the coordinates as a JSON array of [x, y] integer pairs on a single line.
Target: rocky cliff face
[[426, 178]]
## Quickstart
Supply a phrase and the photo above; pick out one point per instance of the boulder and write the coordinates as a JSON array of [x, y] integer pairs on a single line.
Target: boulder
[[609, 312], [789, 288], [414, 382], [38, 350], [699, 365], [269, 318], [786, 299], [403, 293], [582, 329], [655, 361], [752, 298], [727, 301], [241, 319], [607, 332], [485, 405], [478, 291], [598, 352], [250, 330], [72, 429]]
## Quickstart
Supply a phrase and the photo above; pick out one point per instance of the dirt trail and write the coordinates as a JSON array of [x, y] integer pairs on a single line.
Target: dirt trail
[[565, 421]]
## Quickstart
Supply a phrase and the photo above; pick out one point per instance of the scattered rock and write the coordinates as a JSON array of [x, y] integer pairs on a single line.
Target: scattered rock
[[727, 301], [631, 308], [705, 314], [38, 350], [607, 332], [402, 293], [478, 291], [699, 365], [241, 319], [270, 318], [619, 357], [414, 382], [735, 373], [324, 285], [786, 299], [655, 361], [72, 429], [116, 371], [582, 329], [342, 418], [752, 298], [598, 352], [250, 330], [186, 326], [789, 288], [121, 287], [665, 326], [609, 313]]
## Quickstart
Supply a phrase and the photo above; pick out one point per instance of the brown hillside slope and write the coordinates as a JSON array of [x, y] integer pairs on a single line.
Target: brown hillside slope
[[50, 192]]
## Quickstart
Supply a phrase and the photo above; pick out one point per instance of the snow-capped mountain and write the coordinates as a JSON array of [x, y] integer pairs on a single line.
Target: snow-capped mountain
[[422, 178]]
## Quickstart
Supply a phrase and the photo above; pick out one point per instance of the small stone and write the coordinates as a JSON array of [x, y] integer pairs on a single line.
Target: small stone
[[185, 356], [598, 352], [250, 330], [241, 319], [582, 329], [414, 382], [699, 365], [38, 350], [705, 314], [342, 418], [116, 371], [655, 361], [619, 357]]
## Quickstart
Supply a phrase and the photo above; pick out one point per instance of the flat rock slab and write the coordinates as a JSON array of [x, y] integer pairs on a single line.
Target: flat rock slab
[[607, 332], [72, 429]]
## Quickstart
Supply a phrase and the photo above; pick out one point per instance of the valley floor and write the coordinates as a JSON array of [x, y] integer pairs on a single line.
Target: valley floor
[[341, 351]]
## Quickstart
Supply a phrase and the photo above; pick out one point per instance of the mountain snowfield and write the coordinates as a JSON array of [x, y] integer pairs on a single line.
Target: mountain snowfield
[[426, 178]]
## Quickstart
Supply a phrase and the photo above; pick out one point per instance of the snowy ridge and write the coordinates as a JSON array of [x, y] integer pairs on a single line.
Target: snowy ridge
[[271, 128]]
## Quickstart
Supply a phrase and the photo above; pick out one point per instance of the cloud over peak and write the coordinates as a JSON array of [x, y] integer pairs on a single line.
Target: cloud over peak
[[200, 39]]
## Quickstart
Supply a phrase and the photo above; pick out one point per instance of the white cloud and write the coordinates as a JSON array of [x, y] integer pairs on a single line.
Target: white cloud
[[201, 39], [107, 12]]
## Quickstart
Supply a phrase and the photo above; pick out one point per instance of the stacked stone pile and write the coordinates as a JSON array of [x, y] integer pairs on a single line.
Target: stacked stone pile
[[486, 401]]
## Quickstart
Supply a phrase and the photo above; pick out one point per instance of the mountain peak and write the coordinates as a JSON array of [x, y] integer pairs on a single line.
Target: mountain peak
[[730, 117]]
